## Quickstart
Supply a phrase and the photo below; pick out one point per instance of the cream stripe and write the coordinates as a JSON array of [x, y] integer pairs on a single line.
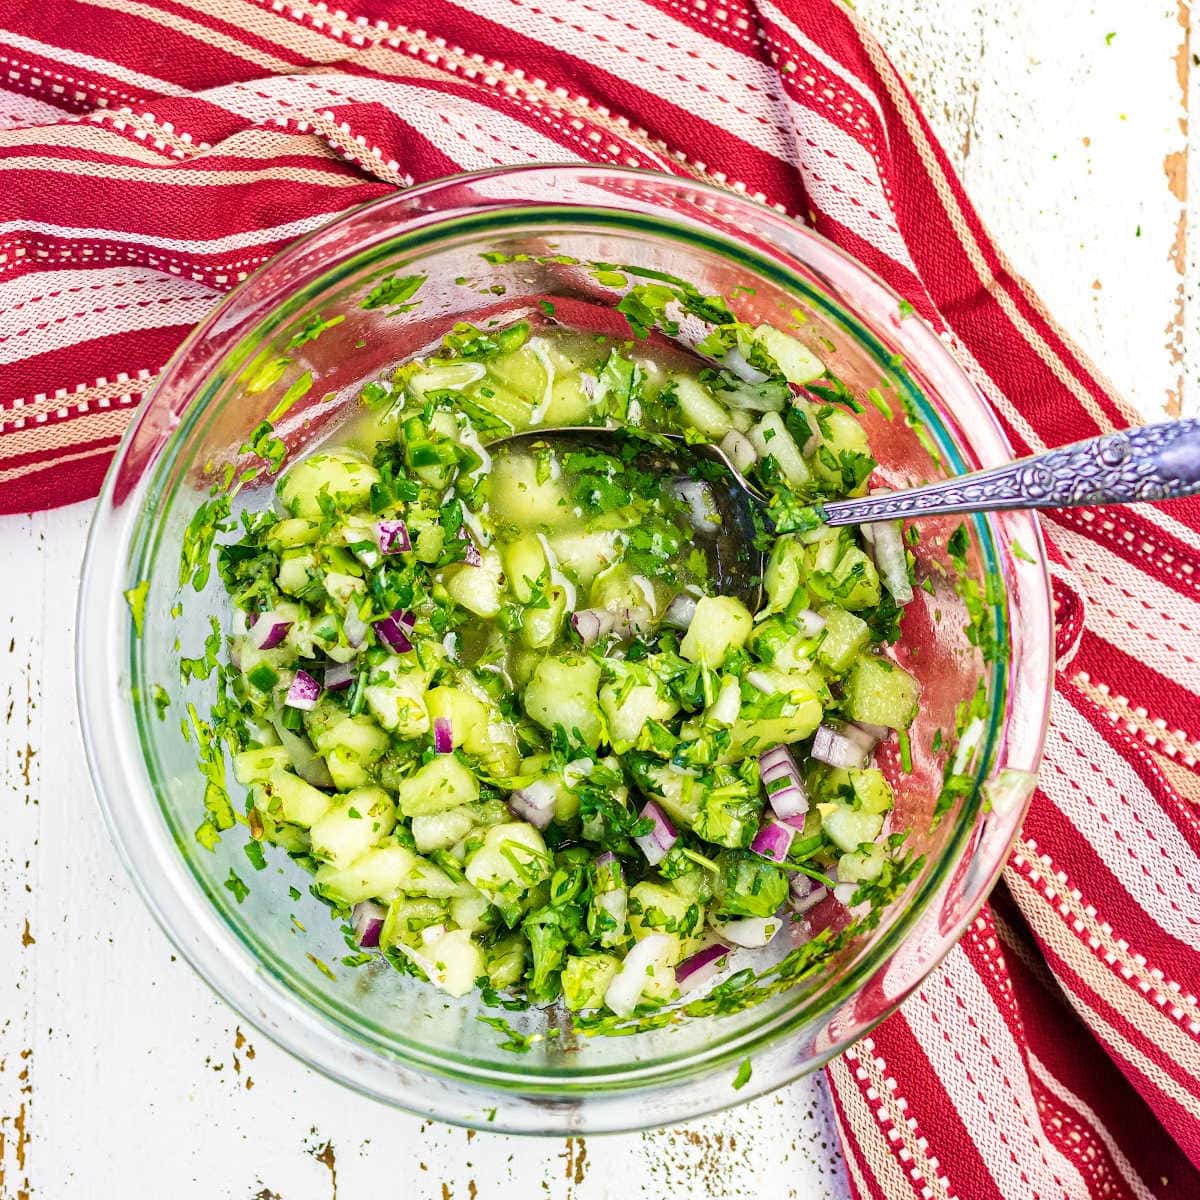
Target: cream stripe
[[1134, 838], [869, 1137], [853, 195], [260, 143], [876, 1068], [43, 438], [1057, 368], [976, 1058], [831, 64], [1127, 606], [1166, 522], [82, 399], [1128, 1173], [1043, 914], [18, 111], [196, 31], [65, 286], [27, 472], [233, 241], [849, 1159], [80, 136], [728, 89], [86, 62], [469, 133], [271, 27], [1147, 1066], [1161, 739], [188, 176]]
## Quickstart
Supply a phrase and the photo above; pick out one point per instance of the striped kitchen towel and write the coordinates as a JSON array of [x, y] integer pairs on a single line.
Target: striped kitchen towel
[[153, 152]]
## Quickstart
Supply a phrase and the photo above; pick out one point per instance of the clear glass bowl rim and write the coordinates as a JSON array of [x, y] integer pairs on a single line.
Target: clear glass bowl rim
[[120, 776]]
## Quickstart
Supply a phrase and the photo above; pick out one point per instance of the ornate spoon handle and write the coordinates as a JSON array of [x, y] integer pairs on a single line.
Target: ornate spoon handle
[[1151, 462]]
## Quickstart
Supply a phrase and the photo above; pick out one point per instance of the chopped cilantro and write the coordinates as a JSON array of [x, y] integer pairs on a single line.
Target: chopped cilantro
[[393, 290], [235, 885], [135, 597], [742, 1077]]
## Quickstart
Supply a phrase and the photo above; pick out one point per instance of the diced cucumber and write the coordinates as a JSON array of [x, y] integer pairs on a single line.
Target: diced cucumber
[[295, 801], [518, 498], [377, 874], [256, 766], [880, 693], [396, 697], [584, 553], [801, 715], [540, 626], [352, 826], [467, 715], [477, 589], [453, 962], [654, 908], [770, 437], [440, 831], [406, 917], [345, 478], [720, 624], [585, 979], [297, 569], [506, 960], [524, 563], [872, 790], [854, 582], [424, 878], [295, 531], [564, 691], [677, 791], [849, 827], [441, 784], [861, 866], [842, 638], [511, 860], [470, 912], [839, 433], [793, 358], [628, 705], [786, 569], [699, 408]]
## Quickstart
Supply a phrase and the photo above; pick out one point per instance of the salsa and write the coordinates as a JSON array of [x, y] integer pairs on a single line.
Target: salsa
[[530, 726]]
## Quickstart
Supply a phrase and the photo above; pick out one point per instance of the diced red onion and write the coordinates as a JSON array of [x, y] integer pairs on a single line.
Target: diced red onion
[[879, 732], [739, 449], [472, 557], [735, 361], [355, 627], [306, 762], [836, 750], [773, 840], [304, 692], [844, 893], [592, 624], [630, 981], [443, 735], [606, 859], [632, 622], [887, 548], [784, 787], [680, 611], [338, 677], [368, 918], [392, 537], [534, 803], [701, 968], [392, 630], [655, 844], [860, 737], [268, 630], [806, 893], [810, 623], [762, 681], [702, 508], [751, 932], [727, 705]]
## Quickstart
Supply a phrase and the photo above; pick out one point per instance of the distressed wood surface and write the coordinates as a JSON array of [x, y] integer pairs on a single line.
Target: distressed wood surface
[[122, 1075]]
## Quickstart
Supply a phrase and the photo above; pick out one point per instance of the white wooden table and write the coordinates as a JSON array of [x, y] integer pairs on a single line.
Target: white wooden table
[[122, 1075]]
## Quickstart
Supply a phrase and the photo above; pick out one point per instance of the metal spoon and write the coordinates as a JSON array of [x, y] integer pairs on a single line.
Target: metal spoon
[[1150, 462]]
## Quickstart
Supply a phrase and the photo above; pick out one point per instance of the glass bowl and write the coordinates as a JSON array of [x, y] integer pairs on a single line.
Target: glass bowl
[[273, 954]]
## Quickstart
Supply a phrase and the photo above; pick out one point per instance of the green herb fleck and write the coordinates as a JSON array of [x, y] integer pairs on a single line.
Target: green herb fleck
[[393, 289], [236, 886], [135, 597], [743, 1075]]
